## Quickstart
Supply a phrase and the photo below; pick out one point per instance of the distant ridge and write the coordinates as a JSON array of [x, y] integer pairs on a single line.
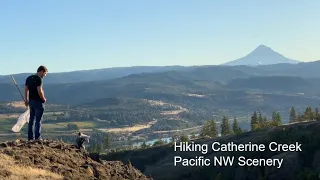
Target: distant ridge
[[262, 55]]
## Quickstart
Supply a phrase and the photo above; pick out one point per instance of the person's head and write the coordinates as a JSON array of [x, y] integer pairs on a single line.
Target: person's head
[[42, 71]]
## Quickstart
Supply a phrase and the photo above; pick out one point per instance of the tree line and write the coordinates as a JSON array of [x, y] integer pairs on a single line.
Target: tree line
[[308, 115], [258, 121], [210, 128]]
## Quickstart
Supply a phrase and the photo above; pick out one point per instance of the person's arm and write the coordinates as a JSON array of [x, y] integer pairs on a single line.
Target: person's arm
[[26, 95], [26, 92], [41, 93], [40, 90]]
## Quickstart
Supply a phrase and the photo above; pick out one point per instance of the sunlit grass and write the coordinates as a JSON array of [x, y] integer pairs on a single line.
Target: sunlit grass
[[16, 172], [79, 124]]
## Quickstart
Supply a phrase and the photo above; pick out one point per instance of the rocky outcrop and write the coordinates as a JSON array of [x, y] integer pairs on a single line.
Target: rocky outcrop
[[289, 168], [60, 160]]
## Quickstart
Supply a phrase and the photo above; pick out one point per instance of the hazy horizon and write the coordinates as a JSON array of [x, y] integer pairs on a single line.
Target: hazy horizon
[[78, 35]]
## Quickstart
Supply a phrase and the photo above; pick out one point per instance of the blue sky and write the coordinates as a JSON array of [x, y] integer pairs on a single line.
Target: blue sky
[[67, 35]]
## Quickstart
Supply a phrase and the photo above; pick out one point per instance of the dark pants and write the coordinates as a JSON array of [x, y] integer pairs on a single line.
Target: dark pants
[[36, 112]]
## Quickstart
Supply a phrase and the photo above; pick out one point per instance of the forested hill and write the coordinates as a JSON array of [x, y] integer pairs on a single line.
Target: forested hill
[[190, 89]]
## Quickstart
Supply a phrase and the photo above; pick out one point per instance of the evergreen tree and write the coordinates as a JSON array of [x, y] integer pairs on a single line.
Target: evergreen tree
[[172, 139], [235, 126], [317, 114], [276, 119], [210, 129], [308, 114], [143, 145], [205, 129], [106, 143], [184, 138], [265, 120], [274, 116], [213, 129], [279, 119], [158, 142], [225, 126], [98, 148], [300, 117], [94, 147], [311, 114], [293, 115], [254, 121], [260, 120]]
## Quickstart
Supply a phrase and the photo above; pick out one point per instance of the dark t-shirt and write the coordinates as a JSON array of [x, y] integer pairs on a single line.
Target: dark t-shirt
[[33, 82]]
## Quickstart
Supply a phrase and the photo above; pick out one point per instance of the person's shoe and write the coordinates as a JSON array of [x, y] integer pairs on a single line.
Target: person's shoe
[[39, 139]]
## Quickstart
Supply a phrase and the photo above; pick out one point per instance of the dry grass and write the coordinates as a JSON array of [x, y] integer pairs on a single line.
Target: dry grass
[[79, 124], [9, 170], [160, 103], [51, 126], [7, 116], [17, 104], [175, 112], [130, 129]]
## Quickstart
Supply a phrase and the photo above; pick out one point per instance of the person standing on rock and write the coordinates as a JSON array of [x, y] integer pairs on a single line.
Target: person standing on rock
[[35, 99]]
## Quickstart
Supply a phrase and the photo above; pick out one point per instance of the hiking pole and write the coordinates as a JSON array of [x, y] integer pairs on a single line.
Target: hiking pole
[[14, 81]]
